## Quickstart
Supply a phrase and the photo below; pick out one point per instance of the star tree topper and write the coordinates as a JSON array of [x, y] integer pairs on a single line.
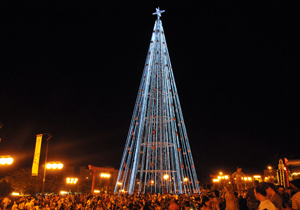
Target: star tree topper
[[158, 12]]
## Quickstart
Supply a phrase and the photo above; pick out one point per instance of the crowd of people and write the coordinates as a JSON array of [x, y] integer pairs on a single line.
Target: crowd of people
[[261, 196]]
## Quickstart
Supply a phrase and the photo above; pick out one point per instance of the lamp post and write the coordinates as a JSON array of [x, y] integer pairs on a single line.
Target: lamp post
[[44, 177], [73, 181], [106, 176], [6, 160]]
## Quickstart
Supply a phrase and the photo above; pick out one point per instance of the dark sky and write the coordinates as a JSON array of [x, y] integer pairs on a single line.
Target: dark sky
[[73, 70]]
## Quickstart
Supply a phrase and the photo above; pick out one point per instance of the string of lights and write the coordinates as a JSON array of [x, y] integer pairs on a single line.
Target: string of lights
[[157, 157]]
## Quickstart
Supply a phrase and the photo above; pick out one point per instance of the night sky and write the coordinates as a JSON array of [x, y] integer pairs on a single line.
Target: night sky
[[73, 70]]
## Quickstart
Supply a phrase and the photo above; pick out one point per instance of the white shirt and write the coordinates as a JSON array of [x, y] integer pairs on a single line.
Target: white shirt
[[266, 205]]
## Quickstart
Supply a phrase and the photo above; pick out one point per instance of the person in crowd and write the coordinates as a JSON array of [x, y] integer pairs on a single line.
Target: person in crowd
[[206, 203], [5, 202], [173, 205], [261, 195], [273, 194], [230, 198], [296, 197], [14, 206], [216, 202], [252, 202], [238, 175], [284, 196]]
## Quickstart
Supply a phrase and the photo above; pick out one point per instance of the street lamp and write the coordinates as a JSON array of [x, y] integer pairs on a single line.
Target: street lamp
[[6, 160], [44, 177], [106, 176], [71, 180], [166, 176], [54, 165]]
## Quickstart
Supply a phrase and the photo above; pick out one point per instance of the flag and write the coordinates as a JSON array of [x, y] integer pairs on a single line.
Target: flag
[[36, 157]]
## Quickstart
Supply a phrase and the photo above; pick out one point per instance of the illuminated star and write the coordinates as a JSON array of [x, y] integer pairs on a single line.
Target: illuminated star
[[158, 12]]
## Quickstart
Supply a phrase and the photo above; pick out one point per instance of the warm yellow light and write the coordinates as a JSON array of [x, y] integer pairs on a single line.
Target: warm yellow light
[[166, 176], [219, 177], [9, 161], [96, 191], [152, 182], [221, 173], [295, 173], [185, 179], [216, 180], [6, 161], [104, 175], [226, 177], [15, 193], [256, 176], [269, 167], [60, 166], [54, 165], [72, 180], [119, 183], [249, 178], [63, 192], [2, 161], [245, 178]]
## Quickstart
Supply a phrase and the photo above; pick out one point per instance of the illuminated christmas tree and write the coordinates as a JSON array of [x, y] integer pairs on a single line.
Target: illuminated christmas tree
[[157, 157]]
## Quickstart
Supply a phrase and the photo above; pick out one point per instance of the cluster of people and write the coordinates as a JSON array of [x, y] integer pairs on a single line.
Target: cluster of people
[[261, 196]]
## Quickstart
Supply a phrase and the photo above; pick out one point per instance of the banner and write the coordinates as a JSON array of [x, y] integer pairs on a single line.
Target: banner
[[36, 157]]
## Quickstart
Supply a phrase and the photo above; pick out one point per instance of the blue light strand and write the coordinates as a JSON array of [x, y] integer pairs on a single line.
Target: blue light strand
[[157, 130]]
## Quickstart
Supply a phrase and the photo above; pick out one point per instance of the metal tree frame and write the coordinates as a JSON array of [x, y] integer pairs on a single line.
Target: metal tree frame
[[157, 157]]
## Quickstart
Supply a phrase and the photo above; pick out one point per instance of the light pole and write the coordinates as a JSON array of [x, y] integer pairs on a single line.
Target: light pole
[[106, 176], [72, 180], [44, 177]]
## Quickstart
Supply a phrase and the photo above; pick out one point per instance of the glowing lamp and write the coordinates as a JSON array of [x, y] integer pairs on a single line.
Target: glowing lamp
[[185, 179], [6, 160], [96, 191], [166, 176], [60, 166], [104, 175], [119, 183], [54, 165], [72, 180]]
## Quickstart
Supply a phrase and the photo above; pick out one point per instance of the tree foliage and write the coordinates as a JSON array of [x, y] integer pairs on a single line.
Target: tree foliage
[[21, 181], [5, 188]]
